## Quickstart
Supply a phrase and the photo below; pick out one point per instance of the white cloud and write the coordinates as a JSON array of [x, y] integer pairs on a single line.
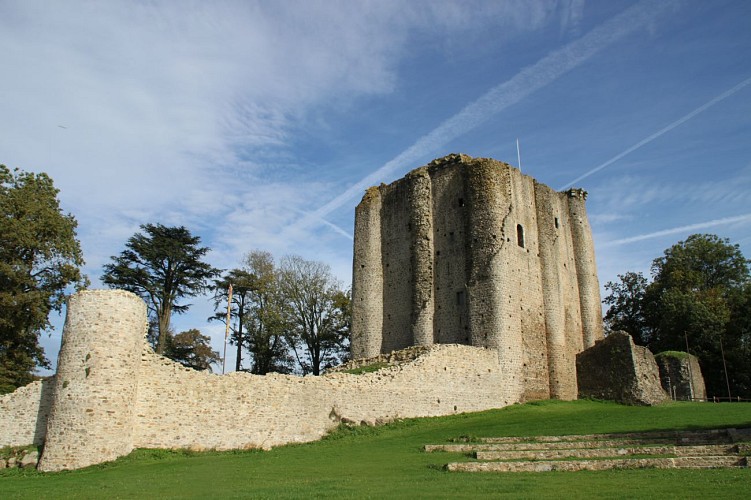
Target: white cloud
[[173, 112], [188, 112], [624, 196]]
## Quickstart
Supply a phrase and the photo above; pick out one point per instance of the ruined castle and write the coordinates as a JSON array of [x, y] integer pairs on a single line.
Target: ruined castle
[[489, 273], [471, 251]]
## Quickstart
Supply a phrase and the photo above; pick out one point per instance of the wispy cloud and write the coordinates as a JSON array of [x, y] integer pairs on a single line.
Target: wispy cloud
[[738, 219], [680, 121], [187, 113], [624, 196], [523, 84]]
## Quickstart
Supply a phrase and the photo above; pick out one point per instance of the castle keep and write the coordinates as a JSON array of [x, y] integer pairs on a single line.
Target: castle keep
[[471, 251]]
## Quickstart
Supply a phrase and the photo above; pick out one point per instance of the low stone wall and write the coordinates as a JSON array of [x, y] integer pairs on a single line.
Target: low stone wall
[[182, 408], [112, 393], [616, 369], [24, 412]]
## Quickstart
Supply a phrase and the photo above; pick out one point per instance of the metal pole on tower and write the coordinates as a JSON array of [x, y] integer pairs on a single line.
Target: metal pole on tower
[[226, 329]]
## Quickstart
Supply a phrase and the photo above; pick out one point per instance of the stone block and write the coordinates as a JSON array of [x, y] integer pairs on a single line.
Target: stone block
[[680, 376], [29, 460], [616, 369]]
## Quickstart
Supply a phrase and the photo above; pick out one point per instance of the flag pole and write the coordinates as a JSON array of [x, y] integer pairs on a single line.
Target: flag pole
[[518, 155], [226, 329]]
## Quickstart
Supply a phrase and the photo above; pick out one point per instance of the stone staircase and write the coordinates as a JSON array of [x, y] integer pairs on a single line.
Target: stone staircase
[[661, 449]]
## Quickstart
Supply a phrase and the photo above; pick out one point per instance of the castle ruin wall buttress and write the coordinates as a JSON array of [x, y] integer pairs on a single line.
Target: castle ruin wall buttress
[[367, 278], [421, 229], [586, 268], [552, 243], [494, 321]]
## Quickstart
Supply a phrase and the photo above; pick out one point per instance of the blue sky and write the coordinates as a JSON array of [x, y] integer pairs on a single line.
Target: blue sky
[[258, 125]]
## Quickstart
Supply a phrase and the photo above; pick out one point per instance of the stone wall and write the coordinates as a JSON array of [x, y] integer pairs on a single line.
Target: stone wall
[[616, 369], [24, 412], [680, 376], [471, 251], [178, 407], [112, 394]]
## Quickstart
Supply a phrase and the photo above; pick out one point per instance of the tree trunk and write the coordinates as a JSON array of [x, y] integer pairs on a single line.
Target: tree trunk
[[164, 320], [238, 362]]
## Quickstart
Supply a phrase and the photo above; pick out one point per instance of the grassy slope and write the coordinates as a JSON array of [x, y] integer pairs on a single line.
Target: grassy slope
[[387, 462]]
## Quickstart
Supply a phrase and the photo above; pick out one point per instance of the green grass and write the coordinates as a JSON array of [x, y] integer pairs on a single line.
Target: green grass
[[18, 452], [673, 354], [374, 367], [388, 462]]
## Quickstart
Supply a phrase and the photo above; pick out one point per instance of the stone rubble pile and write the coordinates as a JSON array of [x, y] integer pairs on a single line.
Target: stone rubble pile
[[24, 459]]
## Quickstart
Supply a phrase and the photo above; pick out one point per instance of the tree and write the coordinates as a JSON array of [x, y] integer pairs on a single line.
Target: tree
[[695, 288], [318, 313], [739, 330], [626, 306], [192, 349], [241, 282], [266, 325], [161, 266], [259, 325], [699, 296], [40, 260]]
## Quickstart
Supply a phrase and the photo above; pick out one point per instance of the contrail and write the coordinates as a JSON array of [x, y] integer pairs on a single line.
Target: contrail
[[662, 131], [338, 229], [500, 97], [676, 230], [325, 222]]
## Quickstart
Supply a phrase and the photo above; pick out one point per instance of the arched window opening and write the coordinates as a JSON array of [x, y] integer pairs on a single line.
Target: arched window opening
[[520, 235]]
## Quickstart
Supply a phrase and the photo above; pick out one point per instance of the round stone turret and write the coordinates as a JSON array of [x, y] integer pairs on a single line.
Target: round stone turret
[[91, 420]]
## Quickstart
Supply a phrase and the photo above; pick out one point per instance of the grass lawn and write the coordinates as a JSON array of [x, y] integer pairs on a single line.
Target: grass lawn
[[388, 462]]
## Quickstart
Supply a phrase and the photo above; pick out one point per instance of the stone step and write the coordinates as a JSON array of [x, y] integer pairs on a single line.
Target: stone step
[[577, 465], [561, 445], [680, 451], [709, 435]]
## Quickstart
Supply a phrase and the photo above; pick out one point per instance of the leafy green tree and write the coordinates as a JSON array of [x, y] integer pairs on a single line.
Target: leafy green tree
[[40, 259], [739, 352], [695, 287], [241, 282], [699, 296], [162, 266], [259, 325], [318, 313], [266, 325], [192, 349], [626, 306]]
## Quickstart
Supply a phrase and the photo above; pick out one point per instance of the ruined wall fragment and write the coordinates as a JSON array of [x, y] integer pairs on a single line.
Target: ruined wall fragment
[[680, 376], [616, 369], [24, 413]]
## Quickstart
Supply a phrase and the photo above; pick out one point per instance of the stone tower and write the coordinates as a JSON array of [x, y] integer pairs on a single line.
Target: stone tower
[[471, 251], [93, 411]]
